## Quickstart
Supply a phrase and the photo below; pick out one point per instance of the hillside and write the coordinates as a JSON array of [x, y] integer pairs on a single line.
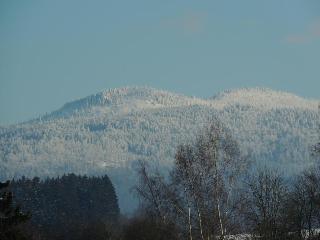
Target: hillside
[[110, 131]]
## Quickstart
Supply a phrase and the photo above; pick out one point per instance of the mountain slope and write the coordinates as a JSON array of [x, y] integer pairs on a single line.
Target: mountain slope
[[112, 130]]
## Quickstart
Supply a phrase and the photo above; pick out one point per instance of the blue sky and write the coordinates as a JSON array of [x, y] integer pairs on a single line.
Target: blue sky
[[52, 52]]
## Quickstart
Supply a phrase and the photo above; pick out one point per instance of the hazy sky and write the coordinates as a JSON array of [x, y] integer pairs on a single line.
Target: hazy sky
[[54, 51]]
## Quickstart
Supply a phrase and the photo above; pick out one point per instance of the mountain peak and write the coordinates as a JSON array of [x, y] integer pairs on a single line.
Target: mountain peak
[[125, 98], [251, 91], [263, 97]]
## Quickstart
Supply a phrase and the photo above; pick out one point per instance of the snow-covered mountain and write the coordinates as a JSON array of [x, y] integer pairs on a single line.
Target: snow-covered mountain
[[110, 131]]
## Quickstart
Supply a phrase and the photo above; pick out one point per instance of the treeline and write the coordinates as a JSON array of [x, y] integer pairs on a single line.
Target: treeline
[[67, 207]]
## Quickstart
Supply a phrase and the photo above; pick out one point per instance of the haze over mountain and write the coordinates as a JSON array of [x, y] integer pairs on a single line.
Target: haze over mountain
[[110, 131]]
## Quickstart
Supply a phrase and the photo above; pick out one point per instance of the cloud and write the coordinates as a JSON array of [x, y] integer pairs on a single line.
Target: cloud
[[315, 29], [297, 39], [311, 33], [188, 23]]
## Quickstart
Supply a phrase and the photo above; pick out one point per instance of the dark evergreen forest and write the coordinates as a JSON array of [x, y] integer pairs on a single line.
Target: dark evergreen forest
[[68, 207]]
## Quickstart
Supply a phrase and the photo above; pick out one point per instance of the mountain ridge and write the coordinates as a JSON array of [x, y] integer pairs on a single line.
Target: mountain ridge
[[154, 98], [112, 130]]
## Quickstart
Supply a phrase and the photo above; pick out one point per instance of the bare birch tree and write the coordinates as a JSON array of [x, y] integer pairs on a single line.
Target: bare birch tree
[[199, 194], [266, 205]]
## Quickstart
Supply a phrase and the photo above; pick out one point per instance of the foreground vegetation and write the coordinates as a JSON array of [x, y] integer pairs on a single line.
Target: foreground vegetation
[[69, 207], [214, 193], [211, 192]]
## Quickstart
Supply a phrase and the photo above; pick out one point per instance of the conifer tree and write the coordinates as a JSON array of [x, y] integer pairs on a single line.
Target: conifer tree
[[10, 216]]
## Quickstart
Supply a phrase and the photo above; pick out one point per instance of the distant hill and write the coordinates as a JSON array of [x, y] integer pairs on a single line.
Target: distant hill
[[110, 131]]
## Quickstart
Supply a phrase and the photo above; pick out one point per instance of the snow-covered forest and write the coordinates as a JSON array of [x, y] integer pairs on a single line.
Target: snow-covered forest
[[111, 131]]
